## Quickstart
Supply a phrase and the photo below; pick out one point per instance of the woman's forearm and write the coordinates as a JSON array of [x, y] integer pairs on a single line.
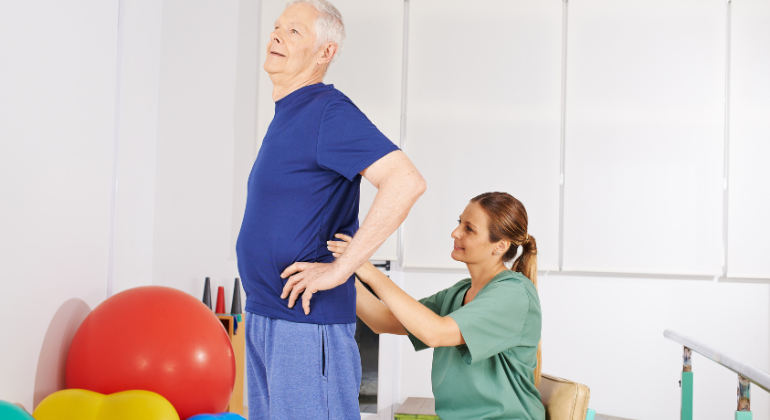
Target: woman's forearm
[[375, 314], [430, 328]]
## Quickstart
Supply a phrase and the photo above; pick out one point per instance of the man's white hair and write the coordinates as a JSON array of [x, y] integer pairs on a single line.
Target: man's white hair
[[328, 25]]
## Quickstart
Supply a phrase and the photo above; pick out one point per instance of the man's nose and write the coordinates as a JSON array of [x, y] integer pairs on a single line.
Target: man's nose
[[274, 37]]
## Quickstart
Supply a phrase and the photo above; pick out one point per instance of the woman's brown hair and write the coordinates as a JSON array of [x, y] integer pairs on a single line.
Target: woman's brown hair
[[508, 220]]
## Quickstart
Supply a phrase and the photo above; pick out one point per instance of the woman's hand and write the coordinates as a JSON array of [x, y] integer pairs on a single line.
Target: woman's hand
[[338, 247], [367, 272]]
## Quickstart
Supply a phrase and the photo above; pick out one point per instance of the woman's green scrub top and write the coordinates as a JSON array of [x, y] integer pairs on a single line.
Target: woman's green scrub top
[[491, 376]]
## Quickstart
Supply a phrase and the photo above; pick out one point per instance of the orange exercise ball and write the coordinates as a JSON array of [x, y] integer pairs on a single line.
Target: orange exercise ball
[[156, 339]]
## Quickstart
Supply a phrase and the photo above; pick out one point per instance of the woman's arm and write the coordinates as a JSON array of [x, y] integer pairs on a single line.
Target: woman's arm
[[430, 328], [374, 313], [371, 310]]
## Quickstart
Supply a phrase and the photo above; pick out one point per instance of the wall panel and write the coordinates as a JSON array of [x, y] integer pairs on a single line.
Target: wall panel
[[749, 226], [483, 114], [644, 136], [138, 114], [199, 115]]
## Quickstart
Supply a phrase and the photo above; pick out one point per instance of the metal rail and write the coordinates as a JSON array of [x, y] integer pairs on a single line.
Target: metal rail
[[758, 377], [746, 375]]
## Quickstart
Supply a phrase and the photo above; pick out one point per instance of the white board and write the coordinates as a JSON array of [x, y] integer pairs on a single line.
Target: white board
[[483, 114], [749, 224], [368, 71], [644, 136]]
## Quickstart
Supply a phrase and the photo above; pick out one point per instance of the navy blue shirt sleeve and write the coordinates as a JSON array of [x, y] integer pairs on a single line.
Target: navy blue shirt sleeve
[[348, 142]]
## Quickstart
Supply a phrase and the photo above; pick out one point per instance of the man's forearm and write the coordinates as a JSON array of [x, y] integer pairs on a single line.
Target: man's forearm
[[395, 197]]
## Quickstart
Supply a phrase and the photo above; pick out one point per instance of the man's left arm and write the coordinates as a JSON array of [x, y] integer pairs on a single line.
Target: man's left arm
[[399, 185]]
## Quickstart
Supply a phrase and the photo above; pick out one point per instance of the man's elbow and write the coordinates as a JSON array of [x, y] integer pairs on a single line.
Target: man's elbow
[[417, 186], [421, 186]]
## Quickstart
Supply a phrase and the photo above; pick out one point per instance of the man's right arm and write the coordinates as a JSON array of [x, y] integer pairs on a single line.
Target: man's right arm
[[399, 185]]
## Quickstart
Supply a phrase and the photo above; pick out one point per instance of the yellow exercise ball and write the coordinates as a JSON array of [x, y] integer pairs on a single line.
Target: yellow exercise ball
[[79, 404]]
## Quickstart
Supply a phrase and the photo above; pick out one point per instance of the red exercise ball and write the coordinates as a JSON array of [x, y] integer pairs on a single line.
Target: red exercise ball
[[156, 339]]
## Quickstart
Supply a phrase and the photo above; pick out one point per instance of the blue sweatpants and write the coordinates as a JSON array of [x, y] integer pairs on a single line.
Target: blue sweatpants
[[302, 371]]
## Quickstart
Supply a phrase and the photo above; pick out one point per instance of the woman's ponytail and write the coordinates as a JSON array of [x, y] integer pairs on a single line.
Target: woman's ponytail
[[527, 263]]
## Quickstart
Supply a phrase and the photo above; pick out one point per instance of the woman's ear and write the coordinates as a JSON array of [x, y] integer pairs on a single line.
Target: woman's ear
[[502, 246]]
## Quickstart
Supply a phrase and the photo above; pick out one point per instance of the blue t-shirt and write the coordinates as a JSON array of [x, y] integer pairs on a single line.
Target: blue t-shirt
[[304, 187]]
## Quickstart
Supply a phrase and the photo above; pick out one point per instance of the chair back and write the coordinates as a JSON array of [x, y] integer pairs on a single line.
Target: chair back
[[563, 399]]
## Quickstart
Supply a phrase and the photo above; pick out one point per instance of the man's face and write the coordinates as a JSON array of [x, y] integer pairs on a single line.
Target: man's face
[[291, 49]]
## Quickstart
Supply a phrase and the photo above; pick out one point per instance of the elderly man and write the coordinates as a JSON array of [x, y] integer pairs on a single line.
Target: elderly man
[[303, 189]]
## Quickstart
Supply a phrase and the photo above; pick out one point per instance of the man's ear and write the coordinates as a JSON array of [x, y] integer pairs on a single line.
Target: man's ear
[[328, 51]]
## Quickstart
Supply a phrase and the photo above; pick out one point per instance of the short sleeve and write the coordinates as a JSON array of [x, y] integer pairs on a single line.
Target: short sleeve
[[493, 321], [348, 142], [434, 304]]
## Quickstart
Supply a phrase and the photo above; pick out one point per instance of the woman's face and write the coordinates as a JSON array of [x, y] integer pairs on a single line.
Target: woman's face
[[471, 238]]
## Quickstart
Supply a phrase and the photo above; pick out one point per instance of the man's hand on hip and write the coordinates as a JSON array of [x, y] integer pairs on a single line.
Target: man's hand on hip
[[309, 278]]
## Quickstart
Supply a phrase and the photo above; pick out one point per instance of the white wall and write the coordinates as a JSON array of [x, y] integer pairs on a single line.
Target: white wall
[[176, 135], [486, 123], [57, 97], [137, 142], [607, 333], [644, 136], [60, 111], [749, 145], [206, 123]]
